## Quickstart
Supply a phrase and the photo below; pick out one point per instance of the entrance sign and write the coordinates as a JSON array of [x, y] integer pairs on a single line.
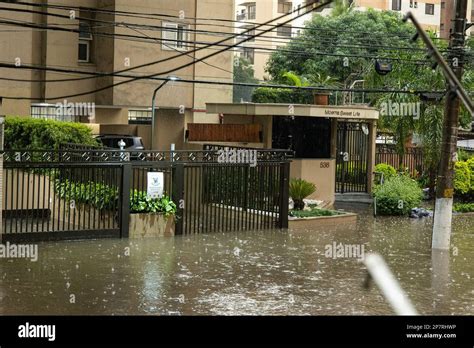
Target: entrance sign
[[155, 184]]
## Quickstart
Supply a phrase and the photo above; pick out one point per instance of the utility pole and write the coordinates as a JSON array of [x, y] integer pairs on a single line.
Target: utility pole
[[445, 183]]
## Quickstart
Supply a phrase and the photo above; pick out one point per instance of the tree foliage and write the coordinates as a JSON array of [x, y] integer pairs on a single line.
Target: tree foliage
[[243, 72]]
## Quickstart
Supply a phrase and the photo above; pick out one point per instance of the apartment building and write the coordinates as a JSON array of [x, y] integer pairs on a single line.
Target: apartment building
[[105, 41], [447, 14], [248, 13]]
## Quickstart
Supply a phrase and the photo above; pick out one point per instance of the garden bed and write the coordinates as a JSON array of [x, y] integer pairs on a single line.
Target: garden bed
[[317, 216]]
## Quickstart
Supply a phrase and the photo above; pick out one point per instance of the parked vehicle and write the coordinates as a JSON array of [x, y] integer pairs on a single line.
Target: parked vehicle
[[132, 143], [113, 140]]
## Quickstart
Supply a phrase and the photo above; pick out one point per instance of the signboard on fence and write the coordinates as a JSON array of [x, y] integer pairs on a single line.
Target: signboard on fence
[[156, 183]]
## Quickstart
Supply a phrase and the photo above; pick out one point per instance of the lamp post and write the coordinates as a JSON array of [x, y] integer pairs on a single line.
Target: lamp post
[[153, 105]]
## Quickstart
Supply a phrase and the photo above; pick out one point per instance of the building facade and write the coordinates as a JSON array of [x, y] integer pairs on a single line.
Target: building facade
[[113, 35], [447, 14], [251, 13], [429, 12]]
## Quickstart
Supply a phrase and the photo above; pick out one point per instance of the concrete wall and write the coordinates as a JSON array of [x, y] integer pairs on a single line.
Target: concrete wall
[[321, 172]]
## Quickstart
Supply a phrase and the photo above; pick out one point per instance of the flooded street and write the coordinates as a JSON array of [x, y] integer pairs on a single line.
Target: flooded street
[[252, 273]]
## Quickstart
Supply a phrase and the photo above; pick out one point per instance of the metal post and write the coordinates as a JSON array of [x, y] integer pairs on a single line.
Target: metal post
[[153, 106], [125, 200], [284, 191], [173, 149], [178, 196], [2, 127]]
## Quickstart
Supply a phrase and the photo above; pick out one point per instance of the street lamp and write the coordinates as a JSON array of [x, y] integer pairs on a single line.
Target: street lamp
[[168, 79]]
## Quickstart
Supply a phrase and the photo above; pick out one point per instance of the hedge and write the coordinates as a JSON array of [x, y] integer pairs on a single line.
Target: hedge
[[37, 134], [398, 196], [104, 197], [281, 95]]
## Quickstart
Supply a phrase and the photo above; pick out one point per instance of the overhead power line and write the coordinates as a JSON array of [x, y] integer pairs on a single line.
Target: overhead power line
[[325, 3], [155, 16], [200, 48]]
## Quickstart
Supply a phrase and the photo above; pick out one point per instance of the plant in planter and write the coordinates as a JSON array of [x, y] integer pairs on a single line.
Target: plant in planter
[[141, 203], [299, 190], [151, 217]]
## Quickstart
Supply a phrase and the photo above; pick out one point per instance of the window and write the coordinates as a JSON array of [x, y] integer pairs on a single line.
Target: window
[[252, 11], [396, 5], [284, 6], [249, 54], [242, 15], [443, 5], [139, 116], [413, 4], [250, 34], [284, 30], [51, 112], [85, 40], [429, 9], [175, 36]]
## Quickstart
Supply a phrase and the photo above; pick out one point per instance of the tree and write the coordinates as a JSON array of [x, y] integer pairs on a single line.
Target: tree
[[243, 72], [356, 37], [328, 42]]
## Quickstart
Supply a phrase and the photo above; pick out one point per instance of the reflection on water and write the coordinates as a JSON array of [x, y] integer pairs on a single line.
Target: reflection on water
[[261, 273]]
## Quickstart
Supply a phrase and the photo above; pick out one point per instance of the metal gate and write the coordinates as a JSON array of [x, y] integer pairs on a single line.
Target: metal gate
[[80, 194], [352, 159], [49, 201]]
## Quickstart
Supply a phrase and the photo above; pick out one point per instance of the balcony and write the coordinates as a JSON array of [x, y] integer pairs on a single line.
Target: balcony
[[241, 16], [225, 133]]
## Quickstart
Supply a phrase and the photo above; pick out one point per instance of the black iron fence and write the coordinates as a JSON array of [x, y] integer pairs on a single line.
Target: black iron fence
[[51, 201], [412, 160], [77, 194]]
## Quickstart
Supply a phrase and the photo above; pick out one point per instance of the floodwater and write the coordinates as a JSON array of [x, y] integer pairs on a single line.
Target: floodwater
[[244, 273]]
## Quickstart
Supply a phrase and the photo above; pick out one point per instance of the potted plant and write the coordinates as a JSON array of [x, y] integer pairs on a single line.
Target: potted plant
[[151, 217], [299, 190]]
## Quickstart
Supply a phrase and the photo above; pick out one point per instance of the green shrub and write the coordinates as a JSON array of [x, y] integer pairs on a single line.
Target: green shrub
[[470, 164], [299, 190], [36, 134], [282, 95], [353, 172], [104, 197], [141, 203], [387, 170], [464, 207], [464, 155], [462, 178], [398, 196]]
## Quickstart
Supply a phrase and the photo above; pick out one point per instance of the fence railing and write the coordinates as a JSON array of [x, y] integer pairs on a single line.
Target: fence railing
[[75, 194], [412, 160], [107, 155]]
